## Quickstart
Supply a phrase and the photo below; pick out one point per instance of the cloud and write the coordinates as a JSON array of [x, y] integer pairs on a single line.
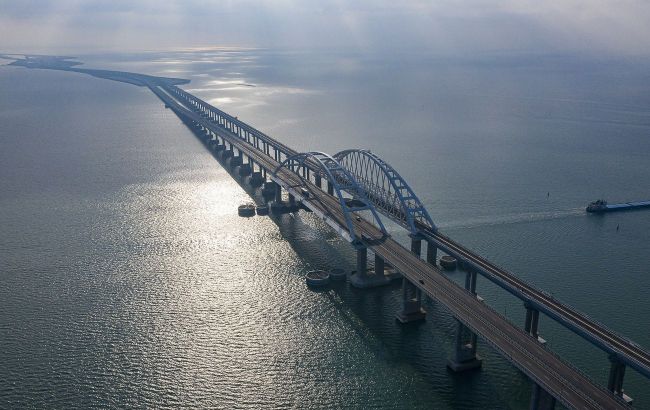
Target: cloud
[[442, 26]]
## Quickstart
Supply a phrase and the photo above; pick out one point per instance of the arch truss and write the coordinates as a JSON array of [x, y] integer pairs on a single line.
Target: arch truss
[[323, 166], [386, 189]]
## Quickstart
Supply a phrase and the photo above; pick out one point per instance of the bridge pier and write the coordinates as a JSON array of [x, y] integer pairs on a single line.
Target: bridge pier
[[269, 189], [318, 180], [257, 179], [432, 253], [416, 244], [531, 325], [540, 399], [470, 281], [236, 160], [278, 194], [245, 169], [464, 355], [330, 188], [362, 261], [616, 376], [411, 303], [363, 278]]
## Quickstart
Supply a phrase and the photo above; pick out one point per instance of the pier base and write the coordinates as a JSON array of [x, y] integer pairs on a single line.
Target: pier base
[[256, 179], [464, 357], [381, 275], [616, 375], [411, 304], [269, 188], [245, 170]]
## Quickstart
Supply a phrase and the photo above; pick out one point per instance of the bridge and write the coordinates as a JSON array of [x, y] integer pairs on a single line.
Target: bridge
[[351, 191]]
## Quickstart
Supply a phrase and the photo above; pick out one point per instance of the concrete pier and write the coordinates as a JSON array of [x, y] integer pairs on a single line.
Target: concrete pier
[[236, 160], [278, 194], [540, 399], [257, 179], [411, 310], [470, 281], [416, 245], [365, 278], [464, 356], [531, 324], [432, 253], [245, 170], [269, 189], [379, 265], [616, 376]]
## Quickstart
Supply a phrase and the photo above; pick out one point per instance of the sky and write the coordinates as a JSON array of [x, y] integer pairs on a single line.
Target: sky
[[616, 27]]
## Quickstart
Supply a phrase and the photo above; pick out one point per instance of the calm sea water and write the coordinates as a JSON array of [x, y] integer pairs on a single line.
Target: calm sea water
[[127, 279]]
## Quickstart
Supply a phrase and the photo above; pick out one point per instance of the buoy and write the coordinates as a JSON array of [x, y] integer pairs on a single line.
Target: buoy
[[448, 262], [337, 274], [246, 210], [317, 278]]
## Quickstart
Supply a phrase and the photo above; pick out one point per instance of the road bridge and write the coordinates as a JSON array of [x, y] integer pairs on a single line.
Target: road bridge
[[349, 191], [553, 378]]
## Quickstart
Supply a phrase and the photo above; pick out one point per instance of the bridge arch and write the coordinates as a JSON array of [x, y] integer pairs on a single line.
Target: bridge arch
[[386, 189], [325, 166]]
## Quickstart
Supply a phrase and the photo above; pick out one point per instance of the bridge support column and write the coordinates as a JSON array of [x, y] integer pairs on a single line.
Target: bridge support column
[[269, 188], [246, 169], [470, 281], [317, 180], [616, 375], [364, 279], [464, 355], [540, 399], [257, 179], [416, 245], [411, 303], [432, 253], [362, 262], [330, 188], [379, 265], [531, 325], [278, 194]]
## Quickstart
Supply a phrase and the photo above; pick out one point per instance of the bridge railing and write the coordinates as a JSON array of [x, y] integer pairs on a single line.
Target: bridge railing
[[244, 131]]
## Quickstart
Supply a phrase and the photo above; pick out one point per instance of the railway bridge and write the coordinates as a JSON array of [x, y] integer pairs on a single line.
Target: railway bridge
[[352, 191]]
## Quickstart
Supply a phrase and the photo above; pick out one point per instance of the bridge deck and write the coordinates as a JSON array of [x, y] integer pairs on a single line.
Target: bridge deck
[[616, 345], [561, 380]]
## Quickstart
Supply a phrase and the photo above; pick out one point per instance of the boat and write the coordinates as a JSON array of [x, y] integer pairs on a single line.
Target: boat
[[599, 205]]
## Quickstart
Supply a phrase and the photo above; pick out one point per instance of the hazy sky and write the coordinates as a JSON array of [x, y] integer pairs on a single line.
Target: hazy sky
[[620, 27]]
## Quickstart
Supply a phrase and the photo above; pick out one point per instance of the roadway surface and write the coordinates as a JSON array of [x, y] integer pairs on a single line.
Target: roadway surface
[[562, 381]]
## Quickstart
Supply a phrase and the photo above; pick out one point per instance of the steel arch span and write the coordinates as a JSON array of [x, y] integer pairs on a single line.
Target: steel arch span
[[386, 189], [324, 166]]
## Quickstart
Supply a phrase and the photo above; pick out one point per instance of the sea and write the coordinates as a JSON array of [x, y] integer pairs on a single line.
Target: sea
[[127, 279]]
